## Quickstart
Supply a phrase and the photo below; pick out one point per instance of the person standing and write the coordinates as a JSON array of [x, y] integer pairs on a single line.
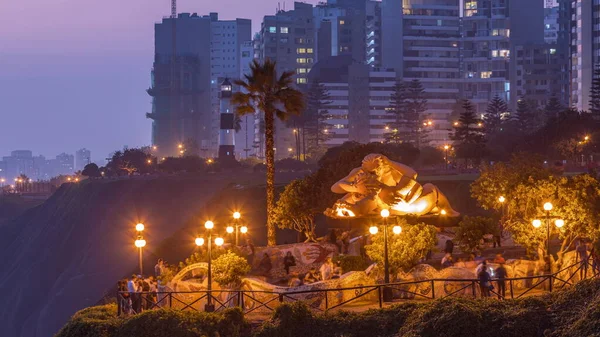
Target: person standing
[[449, 247], [265, 266], [288, 261], [158, 268], [132, 289], [582, 255], [326, 270], [484, 280], [501, 275]]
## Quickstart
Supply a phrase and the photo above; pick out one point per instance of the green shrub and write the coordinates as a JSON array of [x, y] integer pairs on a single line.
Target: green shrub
[[172, 323], [351, 263], [97, 321], [229, 269], [296, 320]]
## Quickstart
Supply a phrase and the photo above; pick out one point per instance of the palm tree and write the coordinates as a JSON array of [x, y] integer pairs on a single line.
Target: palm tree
[[274, 96]]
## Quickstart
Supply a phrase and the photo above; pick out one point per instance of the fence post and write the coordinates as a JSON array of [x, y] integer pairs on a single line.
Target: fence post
[[550, 281], [170, 300], [119, 302], [473, 289], [326, 300], [432, 289], [379, 296], [512, 296]]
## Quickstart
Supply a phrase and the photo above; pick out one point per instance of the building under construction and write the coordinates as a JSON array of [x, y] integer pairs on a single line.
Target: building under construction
[[193, 54]]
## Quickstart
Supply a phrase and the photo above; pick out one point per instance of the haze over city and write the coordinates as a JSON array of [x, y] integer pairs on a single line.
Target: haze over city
[[73, 73]]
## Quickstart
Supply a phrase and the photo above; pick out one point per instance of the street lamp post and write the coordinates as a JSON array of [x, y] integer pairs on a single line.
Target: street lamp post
[[237, 228], [140, 243], [538, 223], [209, 225], [387, 292], [446, 147]]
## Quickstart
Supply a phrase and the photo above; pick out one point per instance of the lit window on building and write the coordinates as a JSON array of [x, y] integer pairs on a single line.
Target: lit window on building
[[283, 30], [301, 80], [486, 74], [273, 30], [342, 22], [301, 60], [309, 50], [301, 50], [301, 71]]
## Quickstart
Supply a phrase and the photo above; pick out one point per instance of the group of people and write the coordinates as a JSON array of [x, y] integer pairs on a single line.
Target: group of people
[[328, 271], [138, 293], [141, 293]]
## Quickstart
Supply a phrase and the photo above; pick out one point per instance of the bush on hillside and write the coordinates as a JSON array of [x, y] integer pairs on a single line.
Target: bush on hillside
[[296, 320], [351, 263], [100, 321], [172, 323]]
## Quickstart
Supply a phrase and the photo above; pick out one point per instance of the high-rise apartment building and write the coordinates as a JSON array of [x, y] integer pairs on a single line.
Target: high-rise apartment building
[[193, 54], [82, 158], [580, 26], [359, 99], [491, 29], [430, 54], [288, 37]]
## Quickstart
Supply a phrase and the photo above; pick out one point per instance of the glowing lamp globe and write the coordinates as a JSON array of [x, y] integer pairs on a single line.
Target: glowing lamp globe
[[502, 199], [397, 230], [443, 212], [199, 241], [385, 213], [373, 230], [236, 215], [219, 241], [536, 223], [140, 243], [139, 227], [209, 225], [559, 223], [229, 229], [548, 206], [244, 229]]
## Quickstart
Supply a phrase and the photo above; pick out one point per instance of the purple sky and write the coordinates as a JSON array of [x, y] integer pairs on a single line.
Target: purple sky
[[73, 73]]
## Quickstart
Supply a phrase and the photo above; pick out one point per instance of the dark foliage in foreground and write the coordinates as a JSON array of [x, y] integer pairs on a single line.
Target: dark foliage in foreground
[[570, 313]]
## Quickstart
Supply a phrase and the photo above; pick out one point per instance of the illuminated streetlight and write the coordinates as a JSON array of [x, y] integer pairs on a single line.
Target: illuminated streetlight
[[180, 146], [139, 227], [244, 229], [373, 230], [229, 229], [209, 224], [548, 206], [154, 147], [140, 243], [385, 213], [210, 161], [397, 230], [236, 215], [501, 199], [199, 241], [455, 123], [219, 241], [290, 149], [149, 161], [536, 223], [559, 223]]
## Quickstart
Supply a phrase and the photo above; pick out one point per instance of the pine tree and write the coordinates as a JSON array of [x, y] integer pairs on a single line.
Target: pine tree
[[595, 93], [395, 132], [316, 130], [494, 113], [469, 135], [525, 117], [553, 107], [416, 119]]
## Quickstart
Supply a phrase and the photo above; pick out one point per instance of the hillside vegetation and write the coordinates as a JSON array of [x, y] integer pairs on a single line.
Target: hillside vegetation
[[570, 313]]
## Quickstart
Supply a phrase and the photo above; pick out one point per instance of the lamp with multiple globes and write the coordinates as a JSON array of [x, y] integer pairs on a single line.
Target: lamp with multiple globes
[[559, 223], [385, 213], [140, 243]]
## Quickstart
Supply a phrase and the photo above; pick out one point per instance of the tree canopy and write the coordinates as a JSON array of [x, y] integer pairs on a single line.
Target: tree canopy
[[405, 249], [526, 186], [297, 207]]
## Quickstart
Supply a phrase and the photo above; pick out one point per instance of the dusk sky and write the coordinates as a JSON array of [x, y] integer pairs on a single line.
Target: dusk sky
[[73, 73]]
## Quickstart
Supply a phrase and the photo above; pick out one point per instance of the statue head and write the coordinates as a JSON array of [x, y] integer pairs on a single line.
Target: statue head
[[371, 162]]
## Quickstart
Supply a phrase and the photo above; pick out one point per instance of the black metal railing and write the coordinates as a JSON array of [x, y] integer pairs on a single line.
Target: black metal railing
[[369, 296]]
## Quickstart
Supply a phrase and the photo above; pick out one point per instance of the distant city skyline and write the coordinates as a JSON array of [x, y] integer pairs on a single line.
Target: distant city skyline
[[73, 73]]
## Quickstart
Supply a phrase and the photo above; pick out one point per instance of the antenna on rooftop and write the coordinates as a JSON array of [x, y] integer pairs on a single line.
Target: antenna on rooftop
[[173, 8]]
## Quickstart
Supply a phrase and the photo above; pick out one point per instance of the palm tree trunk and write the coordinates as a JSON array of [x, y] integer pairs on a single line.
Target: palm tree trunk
[[270, 158]]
